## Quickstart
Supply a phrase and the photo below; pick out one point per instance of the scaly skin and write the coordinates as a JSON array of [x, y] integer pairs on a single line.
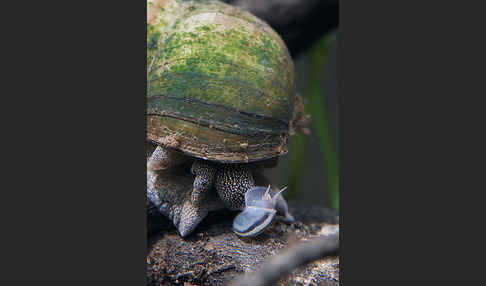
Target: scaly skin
[[162, 159], [205, 172], [170, 192], [231, 182]]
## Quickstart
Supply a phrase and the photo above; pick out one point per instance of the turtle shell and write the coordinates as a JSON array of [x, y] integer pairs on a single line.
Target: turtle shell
[[220, 82]]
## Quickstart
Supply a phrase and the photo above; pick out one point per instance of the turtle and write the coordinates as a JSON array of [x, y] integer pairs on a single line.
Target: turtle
[[220, 103]]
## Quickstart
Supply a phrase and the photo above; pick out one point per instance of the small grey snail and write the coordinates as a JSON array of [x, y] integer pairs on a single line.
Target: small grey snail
[[261, 206]]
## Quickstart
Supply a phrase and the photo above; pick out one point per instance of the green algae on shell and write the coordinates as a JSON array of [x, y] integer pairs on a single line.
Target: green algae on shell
[[220, 82]]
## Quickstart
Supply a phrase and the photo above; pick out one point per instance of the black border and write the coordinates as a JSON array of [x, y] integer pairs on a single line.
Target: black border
[[410, 76], [79, 167]]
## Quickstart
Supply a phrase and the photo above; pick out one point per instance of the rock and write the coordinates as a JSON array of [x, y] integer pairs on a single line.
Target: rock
[[215, 255]]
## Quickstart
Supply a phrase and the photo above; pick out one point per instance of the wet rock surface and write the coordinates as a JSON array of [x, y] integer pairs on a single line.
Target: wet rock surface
[[215, 255]]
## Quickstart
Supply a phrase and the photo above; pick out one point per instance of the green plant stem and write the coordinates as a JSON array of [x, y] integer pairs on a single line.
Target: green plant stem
[[317, 106], [296, 159]]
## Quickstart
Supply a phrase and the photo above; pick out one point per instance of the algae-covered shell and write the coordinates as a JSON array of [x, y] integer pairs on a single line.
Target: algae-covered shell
[[220, 82]]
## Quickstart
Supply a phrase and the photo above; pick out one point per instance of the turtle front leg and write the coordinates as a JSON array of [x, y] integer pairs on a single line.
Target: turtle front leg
[[232, 182], [163, 158], [204, 172]]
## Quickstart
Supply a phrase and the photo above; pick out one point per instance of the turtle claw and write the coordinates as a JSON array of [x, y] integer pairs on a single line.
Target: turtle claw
[[190, 218]]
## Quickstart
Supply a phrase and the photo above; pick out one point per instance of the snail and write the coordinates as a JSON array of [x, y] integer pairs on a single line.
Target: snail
[[261, 206], [220, 101]]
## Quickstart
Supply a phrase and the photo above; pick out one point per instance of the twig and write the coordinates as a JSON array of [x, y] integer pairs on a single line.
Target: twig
[[283, 263], [223, 268]]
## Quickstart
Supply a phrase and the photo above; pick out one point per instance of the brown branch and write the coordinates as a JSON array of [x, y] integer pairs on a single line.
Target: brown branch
[[283, 263]]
